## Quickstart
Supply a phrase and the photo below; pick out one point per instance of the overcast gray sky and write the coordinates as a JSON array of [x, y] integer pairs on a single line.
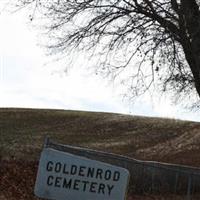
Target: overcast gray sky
[[26, 80]]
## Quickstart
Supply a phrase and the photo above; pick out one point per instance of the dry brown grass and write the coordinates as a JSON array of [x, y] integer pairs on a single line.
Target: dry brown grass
[[22, 133]]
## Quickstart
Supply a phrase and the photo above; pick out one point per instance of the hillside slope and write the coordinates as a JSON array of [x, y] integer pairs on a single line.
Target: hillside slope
[[22, 133]]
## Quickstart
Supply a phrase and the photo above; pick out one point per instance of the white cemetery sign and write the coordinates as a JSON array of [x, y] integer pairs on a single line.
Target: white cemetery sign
[[64, 176]]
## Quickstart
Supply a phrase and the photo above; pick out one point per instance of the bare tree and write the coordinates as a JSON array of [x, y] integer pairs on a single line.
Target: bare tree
[[162, 35]]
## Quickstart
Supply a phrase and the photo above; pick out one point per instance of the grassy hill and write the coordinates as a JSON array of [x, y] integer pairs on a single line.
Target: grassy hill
[[22, 133]]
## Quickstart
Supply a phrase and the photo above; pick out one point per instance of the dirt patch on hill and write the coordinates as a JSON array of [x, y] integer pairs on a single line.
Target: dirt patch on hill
[[17, 179]]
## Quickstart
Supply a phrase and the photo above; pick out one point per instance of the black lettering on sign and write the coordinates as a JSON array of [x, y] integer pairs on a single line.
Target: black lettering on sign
[[81, 171], [93, 187], [101, 188], [99, 173], [85, 183], [110, 187], [50, 180], [76, 182], [73, 169], [116, 176], [90, 172], [65, 171], [58, 167], [107, 175], [49, 167], [67, 184], [57, 181]]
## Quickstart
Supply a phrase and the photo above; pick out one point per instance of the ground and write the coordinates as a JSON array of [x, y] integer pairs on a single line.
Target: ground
[[23, 132]]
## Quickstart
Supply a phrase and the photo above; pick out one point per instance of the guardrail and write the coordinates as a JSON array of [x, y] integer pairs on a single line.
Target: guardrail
[[147, 177]]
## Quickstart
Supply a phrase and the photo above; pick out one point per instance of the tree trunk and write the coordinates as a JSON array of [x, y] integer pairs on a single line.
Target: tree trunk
[[191, 16], [194, 63], [196, 54]]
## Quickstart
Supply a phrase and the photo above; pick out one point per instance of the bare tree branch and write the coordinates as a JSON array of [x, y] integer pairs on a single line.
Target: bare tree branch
[[164, 35]]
